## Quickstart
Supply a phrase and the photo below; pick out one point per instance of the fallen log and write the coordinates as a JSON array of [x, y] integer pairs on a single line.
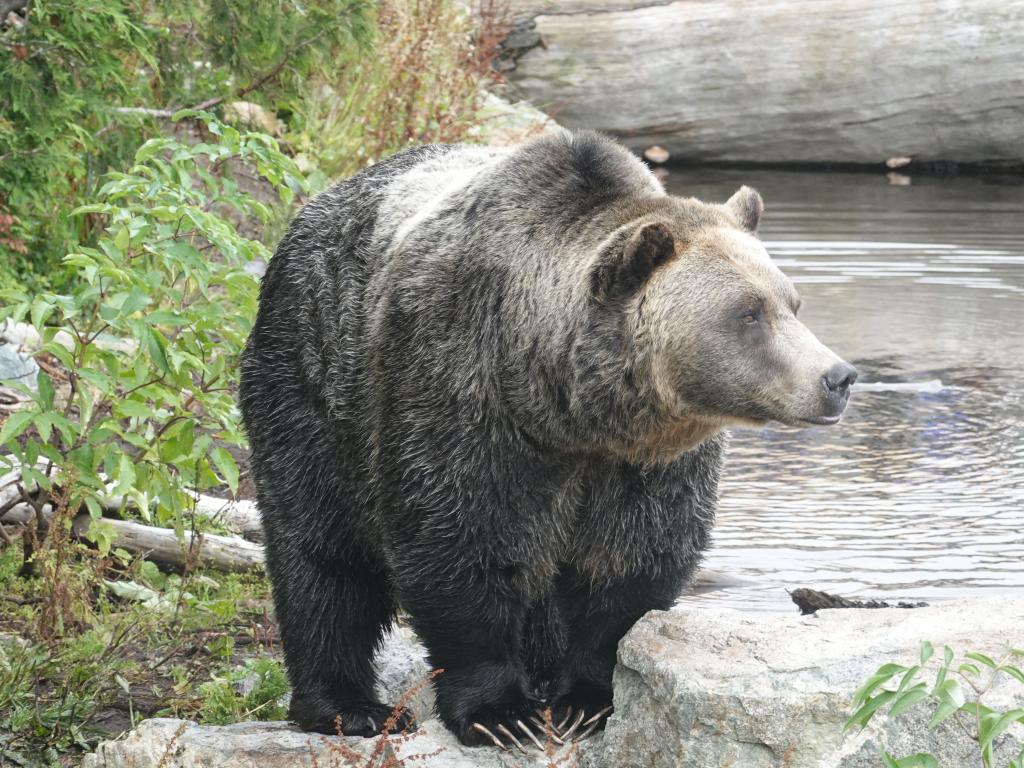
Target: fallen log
[[225, 553], [785, 81], [240, 515], [28, 338]]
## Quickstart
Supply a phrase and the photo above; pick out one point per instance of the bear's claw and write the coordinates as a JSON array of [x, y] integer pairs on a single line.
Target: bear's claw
[[486, 732], [567, 734], [598, 716], [512, 737], [522, 727], [561, 726], [553, 732]]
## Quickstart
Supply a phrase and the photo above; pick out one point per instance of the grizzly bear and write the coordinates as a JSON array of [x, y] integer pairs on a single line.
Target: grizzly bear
[[490, 387]]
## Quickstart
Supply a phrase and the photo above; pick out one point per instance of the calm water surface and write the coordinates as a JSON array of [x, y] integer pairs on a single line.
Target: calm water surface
[[919, 492]]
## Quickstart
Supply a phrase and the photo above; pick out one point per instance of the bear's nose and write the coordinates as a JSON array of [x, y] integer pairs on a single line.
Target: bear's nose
[[840, 378]]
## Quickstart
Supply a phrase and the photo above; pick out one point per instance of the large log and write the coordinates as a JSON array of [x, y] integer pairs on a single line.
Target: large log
[[240, 515], [161, 545], [786, 81]]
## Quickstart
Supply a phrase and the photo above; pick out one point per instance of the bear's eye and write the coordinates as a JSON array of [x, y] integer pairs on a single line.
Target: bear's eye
[[750, 317]]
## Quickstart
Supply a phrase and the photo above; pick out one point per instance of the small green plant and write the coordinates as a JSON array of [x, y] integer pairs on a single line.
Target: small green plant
[[47, 694], [135, 394], [895, 688], [251, 692]]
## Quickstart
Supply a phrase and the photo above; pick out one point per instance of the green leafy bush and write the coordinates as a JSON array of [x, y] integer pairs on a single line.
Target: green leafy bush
[[895, 688], [85, 82], [137, 376]]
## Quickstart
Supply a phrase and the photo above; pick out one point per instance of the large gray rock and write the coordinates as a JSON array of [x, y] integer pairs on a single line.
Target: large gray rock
[[700, 688], [785, 80]]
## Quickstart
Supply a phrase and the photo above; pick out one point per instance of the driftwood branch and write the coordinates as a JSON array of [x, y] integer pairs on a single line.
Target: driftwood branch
[[240, 515], [811, 600], [226, 553], [161, 545]]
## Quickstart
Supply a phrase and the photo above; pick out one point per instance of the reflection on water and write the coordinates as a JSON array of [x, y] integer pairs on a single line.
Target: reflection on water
[[919, 492]]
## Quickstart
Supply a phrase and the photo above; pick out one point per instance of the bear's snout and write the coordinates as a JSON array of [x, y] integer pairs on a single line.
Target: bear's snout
[[836, 383]]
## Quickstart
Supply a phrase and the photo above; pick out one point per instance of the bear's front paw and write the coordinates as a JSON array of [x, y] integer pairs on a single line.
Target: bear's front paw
[[504, 727], [489, 705], [312, 712]]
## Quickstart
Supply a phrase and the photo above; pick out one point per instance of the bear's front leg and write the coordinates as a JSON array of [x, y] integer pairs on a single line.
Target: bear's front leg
[[472, 626], [597, 616]]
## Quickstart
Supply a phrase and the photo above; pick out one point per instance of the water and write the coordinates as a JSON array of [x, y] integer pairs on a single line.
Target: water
[[919, 492]]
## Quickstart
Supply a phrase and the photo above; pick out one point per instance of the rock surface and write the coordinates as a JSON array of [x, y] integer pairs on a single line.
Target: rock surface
[[693, 689], [784, 80], [169, 743], [16, 367], [704, 688]]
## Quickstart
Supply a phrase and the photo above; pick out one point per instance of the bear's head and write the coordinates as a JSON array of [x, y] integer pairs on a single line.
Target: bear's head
[[713, 323]]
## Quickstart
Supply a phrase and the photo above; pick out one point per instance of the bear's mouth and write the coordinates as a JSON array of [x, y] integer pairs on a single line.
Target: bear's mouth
[[822, 420]]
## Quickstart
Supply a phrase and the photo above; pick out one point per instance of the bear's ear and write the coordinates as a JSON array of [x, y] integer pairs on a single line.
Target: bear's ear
[[746, 206], [623, 267]]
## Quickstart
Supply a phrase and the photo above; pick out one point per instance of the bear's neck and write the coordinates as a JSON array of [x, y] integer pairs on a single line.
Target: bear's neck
[[666, 441]]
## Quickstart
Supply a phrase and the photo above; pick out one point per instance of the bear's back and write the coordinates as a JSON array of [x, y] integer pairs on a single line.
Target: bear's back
[[426, 227]]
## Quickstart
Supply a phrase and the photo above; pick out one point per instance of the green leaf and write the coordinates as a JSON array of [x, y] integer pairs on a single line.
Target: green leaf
[[920, 760], [1014, 672], [131, 590], [165, 317], [885, 673], [156, 345], [122, 239], [95, 510], [44, 425], [134, 302], [942, 712], [992, 726], [926, 651], [907, 679], [16, 424], [863, 715], [125, 474], [909, 699], [226, 465], [122, 684], [951, 691], [983, 659], [133, 409], [46, 391], [41, 309]]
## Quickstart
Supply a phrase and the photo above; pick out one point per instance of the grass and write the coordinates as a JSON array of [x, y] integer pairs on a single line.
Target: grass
[[167, 645]]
